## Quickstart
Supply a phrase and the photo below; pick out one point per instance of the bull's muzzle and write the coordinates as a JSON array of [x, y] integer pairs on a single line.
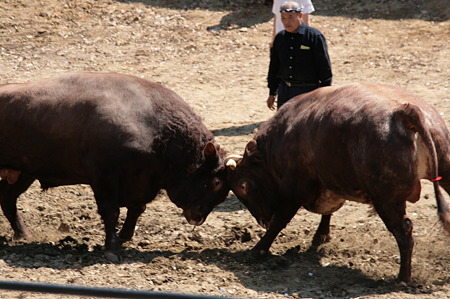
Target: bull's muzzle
[[192, 218], [9, 175]]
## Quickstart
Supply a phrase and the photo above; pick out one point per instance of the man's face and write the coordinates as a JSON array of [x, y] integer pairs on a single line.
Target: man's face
[[291, 20]]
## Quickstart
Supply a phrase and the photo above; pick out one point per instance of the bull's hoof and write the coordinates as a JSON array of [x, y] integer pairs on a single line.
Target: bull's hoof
[[320, 239], [404, 279], [404, 284], [22, 236], [258, 252], [125, 238], [113, 257], [126, 235]]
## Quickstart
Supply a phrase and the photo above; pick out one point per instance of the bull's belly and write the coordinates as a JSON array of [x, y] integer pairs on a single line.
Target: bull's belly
[[47, 183], [329, 202]]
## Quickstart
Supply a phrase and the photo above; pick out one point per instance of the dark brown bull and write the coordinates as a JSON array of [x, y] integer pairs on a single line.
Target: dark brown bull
[[124, 136], [360, 142]]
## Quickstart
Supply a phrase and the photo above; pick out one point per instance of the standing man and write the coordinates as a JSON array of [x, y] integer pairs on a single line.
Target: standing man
[[299, 61]]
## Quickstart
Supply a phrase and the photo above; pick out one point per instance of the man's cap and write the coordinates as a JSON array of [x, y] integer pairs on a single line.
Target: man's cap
[[291, 10], [291, 6]]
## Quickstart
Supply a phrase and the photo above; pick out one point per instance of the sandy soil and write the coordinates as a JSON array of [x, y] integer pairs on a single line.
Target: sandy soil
[[215, 55]]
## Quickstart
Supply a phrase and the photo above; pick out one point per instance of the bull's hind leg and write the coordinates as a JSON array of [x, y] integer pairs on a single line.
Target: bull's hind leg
[[8, 201], [393, 214]]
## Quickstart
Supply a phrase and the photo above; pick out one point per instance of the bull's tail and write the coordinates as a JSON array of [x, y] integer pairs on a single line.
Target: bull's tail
[[413, 119], [443, 208]]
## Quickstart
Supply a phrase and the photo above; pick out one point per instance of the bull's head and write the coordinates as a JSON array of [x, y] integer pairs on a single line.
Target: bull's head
[[203, 188], [253, 184]]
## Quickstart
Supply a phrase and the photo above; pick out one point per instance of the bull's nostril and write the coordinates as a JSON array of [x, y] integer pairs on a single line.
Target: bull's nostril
[[263, 224], [196, 222]]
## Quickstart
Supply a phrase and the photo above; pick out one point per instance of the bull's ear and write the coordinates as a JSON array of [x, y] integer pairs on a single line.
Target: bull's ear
[[251, 148], [210, 152]]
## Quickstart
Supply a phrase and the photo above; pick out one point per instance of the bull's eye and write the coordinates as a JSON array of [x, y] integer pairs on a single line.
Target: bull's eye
[[244, 188], [216, 184]]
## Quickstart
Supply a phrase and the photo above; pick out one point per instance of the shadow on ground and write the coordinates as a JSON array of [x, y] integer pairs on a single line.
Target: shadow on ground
[[248, 12], [297, 272], [248, 129]]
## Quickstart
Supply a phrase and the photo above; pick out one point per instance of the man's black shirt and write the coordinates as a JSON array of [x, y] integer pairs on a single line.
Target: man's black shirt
[[299, 58]]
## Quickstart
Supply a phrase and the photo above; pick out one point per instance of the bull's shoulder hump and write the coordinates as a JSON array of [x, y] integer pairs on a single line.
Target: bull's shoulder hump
[[91, 87]]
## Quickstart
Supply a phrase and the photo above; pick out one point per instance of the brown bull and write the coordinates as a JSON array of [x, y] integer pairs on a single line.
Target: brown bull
[[124, 136], [360, 142]]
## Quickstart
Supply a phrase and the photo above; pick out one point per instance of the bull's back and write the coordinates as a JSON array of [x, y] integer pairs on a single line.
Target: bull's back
[[60, 122], [344, 136]]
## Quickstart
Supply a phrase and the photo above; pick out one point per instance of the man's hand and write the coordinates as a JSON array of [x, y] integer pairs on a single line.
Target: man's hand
[[271, 102]]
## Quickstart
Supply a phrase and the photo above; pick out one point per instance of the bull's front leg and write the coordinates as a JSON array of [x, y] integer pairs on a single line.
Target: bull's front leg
[[279, 221], [290, 200], [133, 213], [139, 195], [322, 234]]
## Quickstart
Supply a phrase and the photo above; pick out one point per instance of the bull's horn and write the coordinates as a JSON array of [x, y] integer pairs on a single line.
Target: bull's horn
[[232, 164], [231, 160], [234, 157]]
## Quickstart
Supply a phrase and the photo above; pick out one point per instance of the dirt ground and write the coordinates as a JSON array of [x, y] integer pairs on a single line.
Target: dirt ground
[[214, 54]]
